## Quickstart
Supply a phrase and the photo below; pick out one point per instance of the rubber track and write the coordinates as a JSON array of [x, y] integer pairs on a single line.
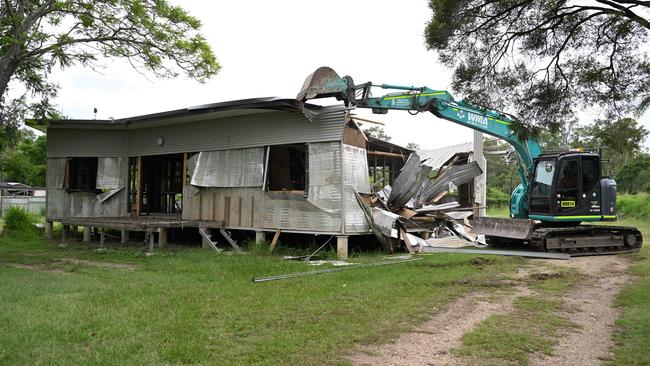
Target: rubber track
[[541, 233]]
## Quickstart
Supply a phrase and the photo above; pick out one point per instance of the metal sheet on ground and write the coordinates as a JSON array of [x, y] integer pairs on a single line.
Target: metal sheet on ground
[[510, 253]]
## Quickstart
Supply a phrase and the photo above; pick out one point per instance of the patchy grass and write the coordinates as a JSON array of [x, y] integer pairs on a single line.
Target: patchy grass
[[633, 340], [195, 306], [530, 327]]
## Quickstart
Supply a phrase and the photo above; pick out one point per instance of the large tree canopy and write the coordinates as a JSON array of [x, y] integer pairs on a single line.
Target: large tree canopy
[[545, 59], [37, 35]]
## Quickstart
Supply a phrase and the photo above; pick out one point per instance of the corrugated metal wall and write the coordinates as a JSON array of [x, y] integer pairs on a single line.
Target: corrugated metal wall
[[261, 129], [355, 179], [62, 204], [251, 207]]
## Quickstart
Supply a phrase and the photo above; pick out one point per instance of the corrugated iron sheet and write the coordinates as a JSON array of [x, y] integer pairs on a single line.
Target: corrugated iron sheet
[[255, 130], [287, 210], [355, 179], [56, 202], [55, 173], [456, 175], [409, 182], [229, 168], [111, 173], [437, 157], [324, 189], [384, 220]]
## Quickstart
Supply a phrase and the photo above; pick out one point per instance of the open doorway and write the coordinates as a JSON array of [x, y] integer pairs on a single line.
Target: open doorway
[[160, 184]]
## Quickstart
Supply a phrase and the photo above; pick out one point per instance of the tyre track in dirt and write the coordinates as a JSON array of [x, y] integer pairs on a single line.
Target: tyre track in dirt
[[590, 305]]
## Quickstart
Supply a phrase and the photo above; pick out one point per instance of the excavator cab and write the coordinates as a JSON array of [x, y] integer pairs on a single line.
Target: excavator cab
[[569, 187]]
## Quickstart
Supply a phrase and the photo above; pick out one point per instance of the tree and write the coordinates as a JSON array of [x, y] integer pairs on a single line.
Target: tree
[[544, 59], [620, 140], [413, 146], [634, 177], [377, 132], [38, 35], [25, 162]]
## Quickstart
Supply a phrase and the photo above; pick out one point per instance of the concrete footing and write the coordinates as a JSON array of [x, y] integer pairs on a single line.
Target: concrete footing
[[87, 234], [162, 237], [342, 247], [124, 236], [260, 236]]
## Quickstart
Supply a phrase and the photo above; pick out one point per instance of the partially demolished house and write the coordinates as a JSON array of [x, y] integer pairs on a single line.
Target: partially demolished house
[[264, 165]]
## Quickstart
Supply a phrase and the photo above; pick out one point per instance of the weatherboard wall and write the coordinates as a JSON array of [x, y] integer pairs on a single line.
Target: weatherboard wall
[[167, 137]]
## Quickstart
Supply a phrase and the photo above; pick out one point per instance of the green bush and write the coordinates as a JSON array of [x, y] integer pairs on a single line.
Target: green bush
[[19, 220], [497, 198], [634, 205]]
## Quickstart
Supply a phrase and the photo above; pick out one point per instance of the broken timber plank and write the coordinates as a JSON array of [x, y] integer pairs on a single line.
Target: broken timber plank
[[407, 241], [208, 240], [274, 242], [229, 239]]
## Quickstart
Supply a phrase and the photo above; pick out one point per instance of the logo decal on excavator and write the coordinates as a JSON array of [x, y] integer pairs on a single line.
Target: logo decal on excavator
[[477, 119]]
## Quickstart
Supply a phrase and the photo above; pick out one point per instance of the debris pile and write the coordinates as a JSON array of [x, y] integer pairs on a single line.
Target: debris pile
[[411, 211]]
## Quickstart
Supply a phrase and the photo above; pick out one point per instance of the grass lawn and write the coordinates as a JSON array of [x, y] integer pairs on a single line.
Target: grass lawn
[[67, 306], [633, 343]]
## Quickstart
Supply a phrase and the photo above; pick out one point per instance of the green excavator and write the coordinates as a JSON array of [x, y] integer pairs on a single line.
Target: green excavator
[[558, 192]]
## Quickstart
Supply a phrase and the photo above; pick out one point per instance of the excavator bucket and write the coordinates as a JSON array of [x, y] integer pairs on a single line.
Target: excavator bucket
[[504, 227], [323, 83]]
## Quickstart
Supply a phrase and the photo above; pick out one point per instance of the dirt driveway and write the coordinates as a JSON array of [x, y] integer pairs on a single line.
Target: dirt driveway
[[590, 303]]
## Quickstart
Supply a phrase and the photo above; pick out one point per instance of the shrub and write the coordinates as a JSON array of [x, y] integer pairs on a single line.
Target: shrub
[[496, 198], [635, 206], [19, 220]]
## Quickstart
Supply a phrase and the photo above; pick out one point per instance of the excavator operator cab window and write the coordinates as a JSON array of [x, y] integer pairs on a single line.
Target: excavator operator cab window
[[544, 172]]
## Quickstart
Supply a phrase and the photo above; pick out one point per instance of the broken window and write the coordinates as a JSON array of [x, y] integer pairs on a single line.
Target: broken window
[[287, 168], [81, 174]]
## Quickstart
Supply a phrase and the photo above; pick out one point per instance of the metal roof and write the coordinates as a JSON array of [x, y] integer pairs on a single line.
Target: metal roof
[[213, 111], [437, 157], [13, 185]]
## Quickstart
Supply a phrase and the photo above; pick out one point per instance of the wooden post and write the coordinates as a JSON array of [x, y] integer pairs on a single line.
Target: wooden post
[[64, 233], [274, 242], [138, 183], [162, 237], [342, 247], [260, 237], [124, 236], [49, 225], [151, 241], [87, 232], [101, 238], [185, 169]]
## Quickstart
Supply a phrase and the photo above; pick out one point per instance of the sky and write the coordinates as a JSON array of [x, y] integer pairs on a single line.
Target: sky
[[268, 48]]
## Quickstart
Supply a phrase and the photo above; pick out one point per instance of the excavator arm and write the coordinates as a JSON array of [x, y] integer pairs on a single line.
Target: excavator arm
[[324, 82]]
